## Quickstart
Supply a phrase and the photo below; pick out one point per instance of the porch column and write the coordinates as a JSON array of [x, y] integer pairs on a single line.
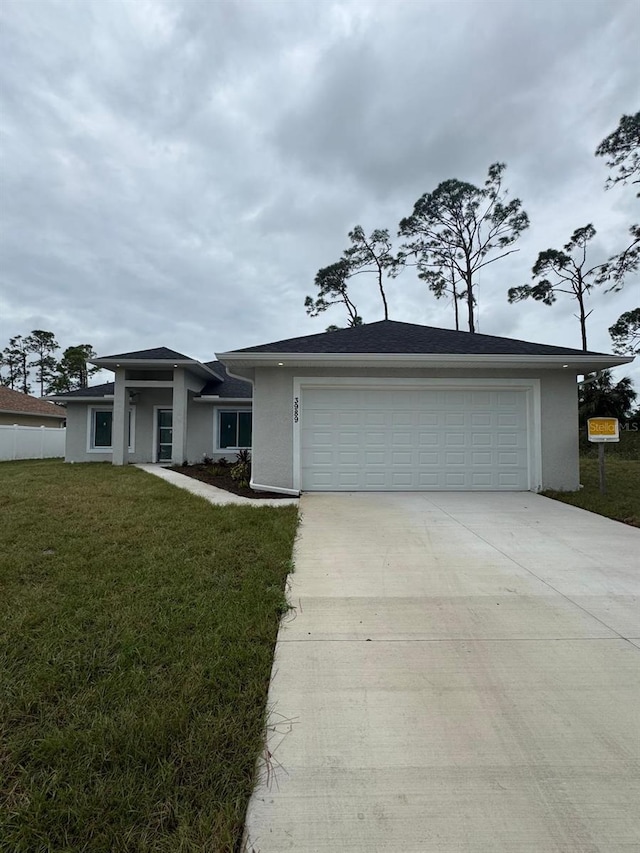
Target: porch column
[[180, 399], [120, 422]]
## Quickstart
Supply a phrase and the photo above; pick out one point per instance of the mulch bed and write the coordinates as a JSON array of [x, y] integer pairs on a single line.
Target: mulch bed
[[225, 481]]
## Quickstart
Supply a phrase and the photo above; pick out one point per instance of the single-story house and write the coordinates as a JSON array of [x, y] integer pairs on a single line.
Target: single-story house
[[383, 406], [25, 410]]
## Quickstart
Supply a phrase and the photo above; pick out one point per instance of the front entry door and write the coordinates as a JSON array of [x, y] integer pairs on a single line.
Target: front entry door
[[165, 435]]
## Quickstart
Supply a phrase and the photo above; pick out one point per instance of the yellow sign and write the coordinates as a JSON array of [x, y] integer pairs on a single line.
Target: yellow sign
[[603, 429]]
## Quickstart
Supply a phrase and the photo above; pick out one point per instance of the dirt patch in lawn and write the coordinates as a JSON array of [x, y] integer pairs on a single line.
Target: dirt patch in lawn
[[222, 479]]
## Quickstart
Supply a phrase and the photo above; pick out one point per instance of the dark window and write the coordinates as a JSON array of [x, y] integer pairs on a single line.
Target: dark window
[[102, 429], [235, 429]]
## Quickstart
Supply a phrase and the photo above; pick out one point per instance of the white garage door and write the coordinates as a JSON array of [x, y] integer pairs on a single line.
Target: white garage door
[[358, 439]]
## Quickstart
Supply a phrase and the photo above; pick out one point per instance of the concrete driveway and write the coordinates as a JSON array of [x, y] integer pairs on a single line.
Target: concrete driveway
[[461, 672]]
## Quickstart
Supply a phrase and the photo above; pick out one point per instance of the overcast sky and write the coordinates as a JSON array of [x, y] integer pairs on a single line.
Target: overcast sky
[[174, 173]]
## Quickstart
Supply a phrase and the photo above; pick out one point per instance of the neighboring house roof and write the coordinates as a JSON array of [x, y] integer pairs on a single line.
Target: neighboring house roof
[[17, 403], [391, 336]]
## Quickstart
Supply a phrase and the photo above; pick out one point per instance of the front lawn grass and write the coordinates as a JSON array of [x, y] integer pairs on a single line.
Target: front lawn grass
[[622, 499], [137, 627]]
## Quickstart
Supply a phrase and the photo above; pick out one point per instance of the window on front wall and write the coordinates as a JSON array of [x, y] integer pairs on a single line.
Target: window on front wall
[[102, 429], [235, 429]]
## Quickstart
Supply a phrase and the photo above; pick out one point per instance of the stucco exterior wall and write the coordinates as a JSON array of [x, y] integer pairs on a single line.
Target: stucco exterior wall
[[201, 428], [273, 418]]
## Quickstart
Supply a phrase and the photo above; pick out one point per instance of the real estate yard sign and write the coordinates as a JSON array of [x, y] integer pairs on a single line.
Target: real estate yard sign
[[602, 430]]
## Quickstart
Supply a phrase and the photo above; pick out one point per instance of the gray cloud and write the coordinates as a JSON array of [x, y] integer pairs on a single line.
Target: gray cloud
[[176, 172]]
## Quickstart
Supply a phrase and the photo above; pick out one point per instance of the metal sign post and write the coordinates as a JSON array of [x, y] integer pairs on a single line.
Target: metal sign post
[[601, 431]]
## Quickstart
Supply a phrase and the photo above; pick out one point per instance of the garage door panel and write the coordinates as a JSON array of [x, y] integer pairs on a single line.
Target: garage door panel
[[454, 398], [481, 398], [318, 439], [375, 480], [454, 419], [373, 419], [427, 419], [429, 480], [455, 439], [482, 439], [452, 459], [481, 480], [481, 419], [354, 439], [482, 458], [454, 480]]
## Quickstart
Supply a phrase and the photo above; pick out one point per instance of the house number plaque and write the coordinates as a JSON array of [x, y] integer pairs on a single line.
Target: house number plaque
[[296, 409]]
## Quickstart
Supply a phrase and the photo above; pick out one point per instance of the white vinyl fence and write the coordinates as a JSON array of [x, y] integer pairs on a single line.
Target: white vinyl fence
[[25, 442]]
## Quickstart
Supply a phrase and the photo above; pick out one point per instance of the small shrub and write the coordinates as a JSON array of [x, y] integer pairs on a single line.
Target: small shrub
[[207, 460], [241, 470]]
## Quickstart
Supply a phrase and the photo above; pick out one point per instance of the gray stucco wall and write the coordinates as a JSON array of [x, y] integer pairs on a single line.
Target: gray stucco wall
[[273, 419], [201, 429]]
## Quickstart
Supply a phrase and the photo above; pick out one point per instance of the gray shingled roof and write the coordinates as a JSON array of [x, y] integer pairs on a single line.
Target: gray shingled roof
[[157, 354], [227, 387], [89, 391], [391, 336]]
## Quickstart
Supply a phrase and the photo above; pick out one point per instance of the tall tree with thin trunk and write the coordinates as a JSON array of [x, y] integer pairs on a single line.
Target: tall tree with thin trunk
[[373, 254], [332, 284], [73, 371], [625, 333], [43, 345], [444, 283], [563, 271], [366, 255], [464, 228], [622, 150], [16, 357]]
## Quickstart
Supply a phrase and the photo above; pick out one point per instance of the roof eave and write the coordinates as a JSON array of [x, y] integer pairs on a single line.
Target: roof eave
[[193, 364], [213, 398], [579, 363], [89, 398]]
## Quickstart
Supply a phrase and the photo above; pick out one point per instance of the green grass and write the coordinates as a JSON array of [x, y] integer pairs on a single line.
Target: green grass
[[137, 626], [622, 499]]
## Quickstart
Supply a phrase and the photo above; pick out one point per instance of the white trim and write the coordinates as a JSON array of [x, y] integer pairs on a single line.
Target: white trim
[[169, 363], [148, 383], [530, 386], [277, 489], [578, 362], [91, 399], [215, 398], [90, 421], [217, 411]]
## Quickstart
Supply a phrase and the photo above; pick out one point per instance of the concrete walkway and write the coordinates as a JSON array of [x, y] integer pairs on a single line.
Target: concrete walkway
[[211, 493], [461, 672]]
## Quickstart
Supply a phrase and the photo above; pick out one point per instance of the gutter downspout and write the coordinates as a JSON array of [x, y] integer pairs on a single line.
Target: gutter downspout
[[595, 376], [259, 487]]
